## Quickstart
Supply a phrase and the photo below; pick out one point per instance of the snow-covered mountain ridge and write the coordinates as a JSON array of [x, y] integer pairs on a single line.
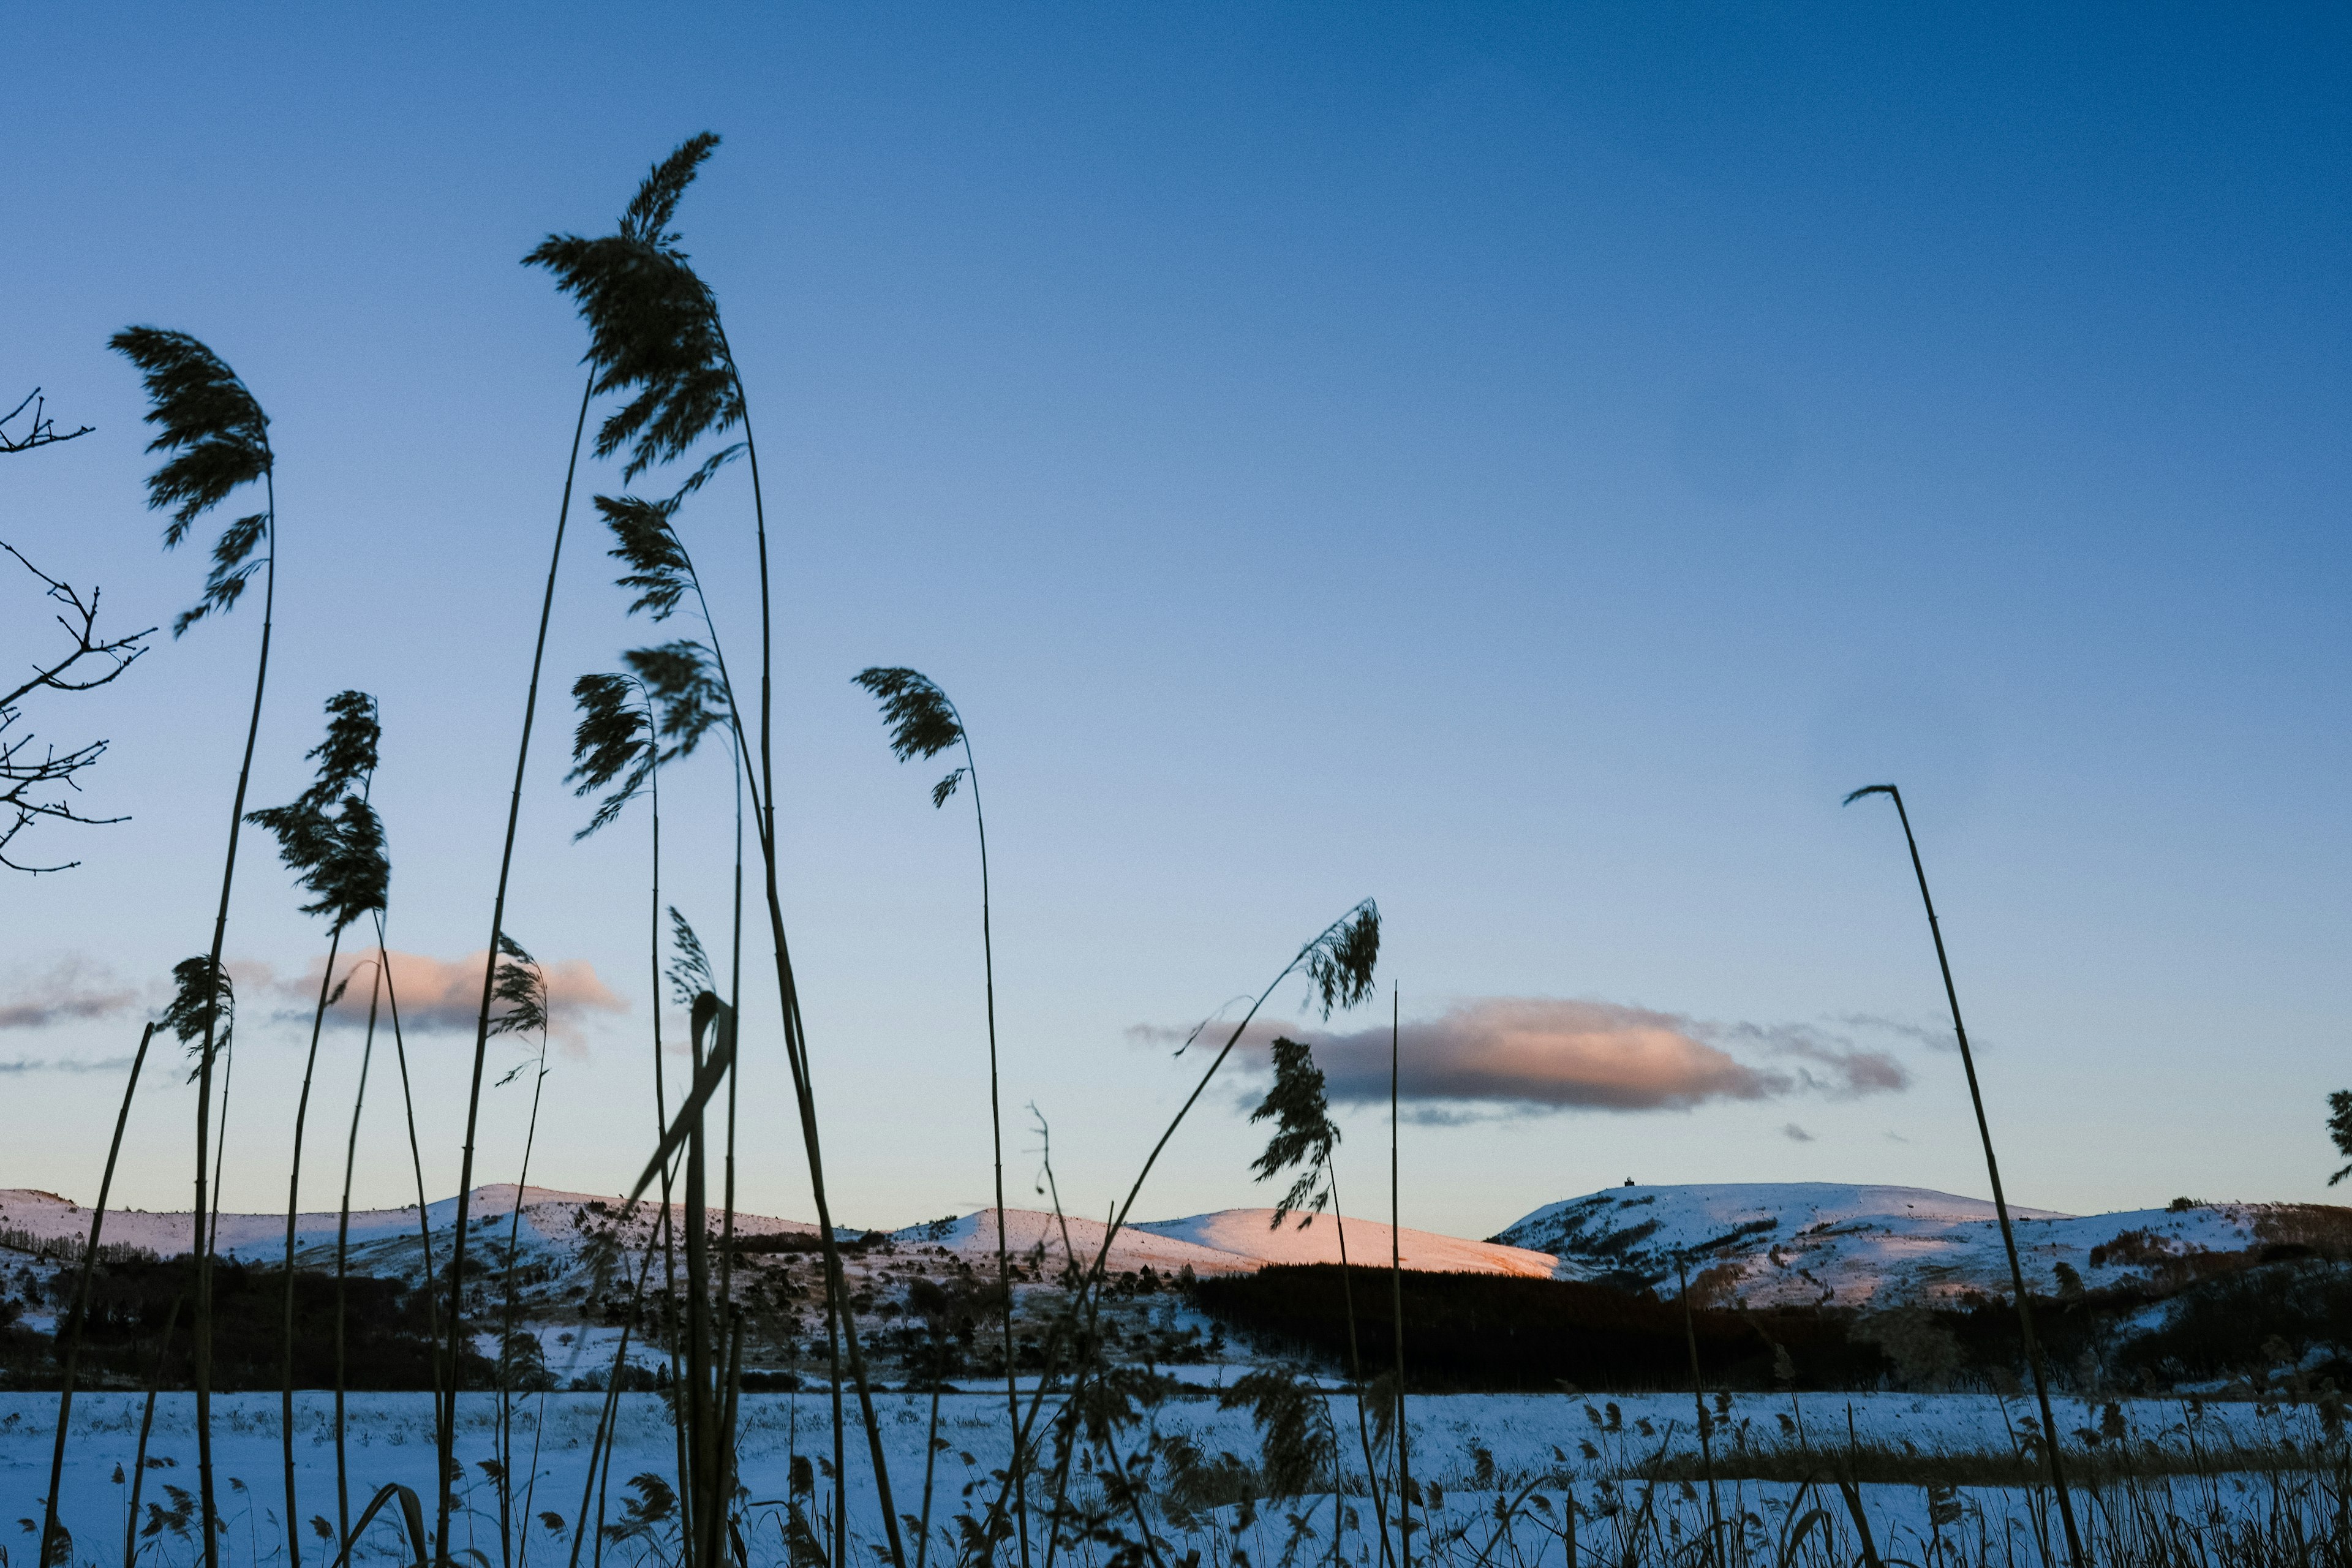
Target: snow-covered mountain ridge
[[1758, 1243]]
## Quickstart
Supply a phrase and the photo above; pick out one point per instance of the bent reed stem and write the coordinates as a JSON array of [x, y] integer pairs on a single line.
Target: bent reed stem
[[447, 1438]]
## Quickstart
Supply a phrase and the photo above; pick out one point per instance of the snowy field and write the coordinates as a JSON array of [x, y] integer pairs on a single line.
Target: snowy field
[[1502, 1469]]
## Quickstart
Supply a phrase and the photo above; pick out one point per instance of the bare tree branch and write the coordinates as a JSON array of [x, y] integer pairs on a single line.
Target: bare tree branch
[[37, 785], [41, 432]]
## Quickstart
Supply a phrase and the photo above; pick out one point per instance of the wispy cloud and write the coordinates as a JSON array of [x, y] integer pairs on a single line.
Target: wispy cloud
[[1939, 1038], [1529, 1056], [1796, 1134], [22, 1065], [434, 993], [68, 991]]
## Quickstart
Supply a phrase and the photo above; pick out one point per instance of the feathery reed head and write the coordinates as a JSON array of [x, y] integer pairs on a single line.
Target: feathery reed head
[[650, 210], [653, 325], [348, 755], [337, 845], [614, 738], [660, 573], [684, 679], [219, 438], [1887, 789], [202, 997], [921, 720], [519, 987], [1340, 962], [1304, 1132], [689, 973], [2340, 1128]]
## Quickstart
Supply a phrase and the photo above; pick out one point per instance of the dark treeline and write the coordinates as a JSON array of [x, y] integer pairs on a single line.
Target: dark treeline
[[390, 1342], [1491, 1332]]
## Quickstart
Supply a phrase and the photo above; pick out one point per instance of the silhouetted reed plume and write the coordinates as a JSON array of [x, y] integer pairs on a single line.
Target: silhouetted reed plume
[[922, 723], [218, 442], [1304, 1138], [655, 338], [333, 840]]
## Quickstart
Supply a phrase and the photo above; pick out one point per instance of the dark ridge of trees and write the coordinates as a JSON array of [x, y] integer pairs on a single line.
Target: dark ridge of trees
[[390, 1344], [1496, 1333]]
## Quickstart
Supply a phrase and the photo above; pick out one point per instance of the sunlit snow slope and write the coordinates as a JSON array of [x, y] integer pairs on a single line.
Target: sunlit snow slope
[[1825, 1242]]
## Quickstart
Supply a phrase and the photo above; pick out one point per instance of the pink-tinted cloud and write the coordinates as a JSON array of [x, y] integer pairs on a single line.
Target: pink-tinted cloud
[[436, 993], [1536, 1054], [1542, 1052]]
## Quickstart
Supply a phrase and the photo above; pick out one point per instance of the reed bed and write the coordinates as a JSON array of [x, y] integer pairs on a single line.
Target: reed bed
[[1085, 1456]]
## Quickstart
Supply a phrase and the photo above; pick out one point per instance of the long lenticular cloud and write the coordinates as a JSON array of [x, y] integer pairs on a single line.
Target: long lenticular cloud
[[1520, 1054], [1540, 1052]]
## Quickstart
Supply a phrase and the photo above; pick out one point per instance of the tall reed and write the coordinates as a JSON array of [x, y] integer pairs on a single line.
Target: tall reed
[[343, 1251], [1338, 965], [331, 837], [56, 1546], [1396, 1296], [218, 439], [655, 331], [617, 747], [923, 722], [416, 1162], [521, 991], [1304, 1138], [1992, 1170]]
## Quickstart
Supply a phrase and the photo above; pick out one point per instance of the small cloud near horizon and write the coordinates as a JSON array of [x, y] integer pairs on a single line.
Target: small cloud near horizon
[[437, 995], [70, 991], [433, 995], [1796, 1134], [1512, 1056]]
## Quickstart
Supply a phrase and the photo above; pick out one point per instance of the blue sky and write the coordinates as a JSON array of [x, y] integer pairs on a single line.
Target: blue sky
[[1522, 464]]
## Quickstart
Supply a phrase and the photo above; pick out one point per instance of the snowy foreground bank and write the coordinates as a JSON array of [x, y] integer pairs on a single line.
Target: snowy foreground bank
[[1502, 1471]]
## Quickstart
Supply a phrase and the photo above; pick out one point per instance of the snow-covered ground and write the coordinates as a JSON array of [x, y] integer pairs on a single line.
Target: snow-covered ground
[[1479, 1451]]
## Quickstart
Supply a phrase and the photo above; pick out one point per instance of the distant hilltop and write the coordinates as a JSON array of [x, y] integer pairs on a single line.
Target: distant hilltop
[[1835, 1244]]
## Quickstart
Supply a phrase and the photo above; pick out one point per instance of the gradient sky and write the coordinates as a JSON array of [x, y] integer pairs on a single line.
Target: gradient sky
[[1522, 464]]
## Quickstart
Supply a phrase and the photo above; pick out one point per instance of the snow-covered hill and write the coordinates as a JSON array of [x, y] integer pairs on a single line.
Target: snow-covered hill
[[557, 1228], [1831, 1243], [1230, 1241], [1760, 1243]]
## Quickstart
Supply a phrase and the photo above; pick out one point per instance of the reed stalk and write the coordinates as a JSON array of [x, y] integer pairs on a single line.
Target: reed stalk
[[445, 1439], [1396, 1297], [1338, 965], [1699, 1400], [416, 1161], [146, 1428], [342, 1257], [924, 722], [55, 1546], [1992, 1170], [332, 837], [507, 1335], [600, 1448], [656, 333], [220, 441]]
